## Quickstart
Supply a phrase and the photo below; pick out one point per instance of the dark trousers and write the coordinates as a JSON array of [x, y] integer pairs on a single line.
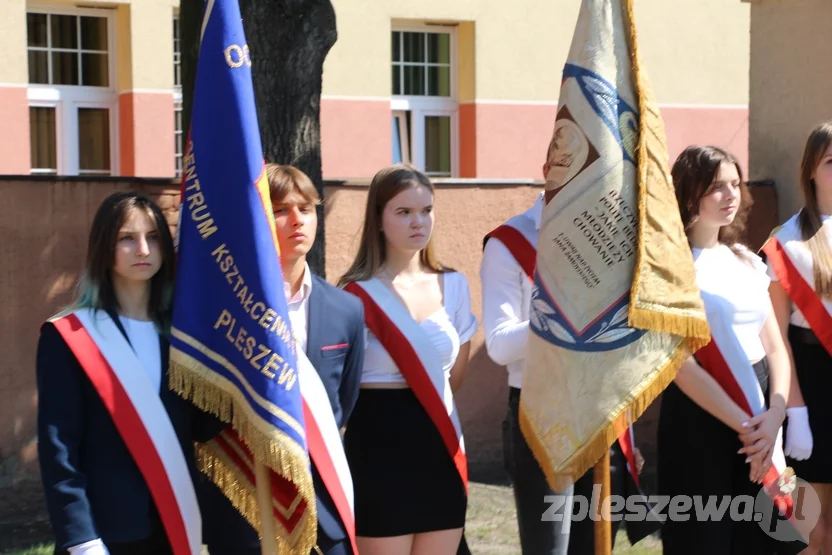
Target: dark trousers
[[582, 533], [542, 531]]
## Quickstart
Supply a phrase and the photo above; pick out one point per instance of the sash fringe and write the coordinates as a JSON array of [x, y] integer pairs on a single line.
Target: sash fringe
[[594, 449], [275, 449]]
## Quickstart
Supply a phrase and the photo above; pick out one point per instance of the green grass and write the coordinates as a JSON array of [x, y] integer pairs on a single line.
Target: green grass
[[491, 527], [42, 549]]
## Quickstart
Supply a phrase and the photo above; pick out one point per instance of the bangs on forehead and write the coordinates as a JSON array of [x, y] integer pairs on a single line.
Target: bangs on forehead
[[302, 196]]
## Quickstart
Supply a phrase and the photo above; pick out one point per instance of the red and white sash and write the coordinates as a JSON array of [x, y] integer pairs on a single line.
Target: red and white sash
[[792, 262], [139, 416], [410, 348], [725, 360], [325, 446], [520, 238]]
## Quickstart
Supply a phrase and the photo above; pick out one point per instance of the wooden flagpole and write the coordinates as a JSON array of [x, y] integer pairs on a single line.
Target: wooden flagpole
[[603, 527], [268, 545]]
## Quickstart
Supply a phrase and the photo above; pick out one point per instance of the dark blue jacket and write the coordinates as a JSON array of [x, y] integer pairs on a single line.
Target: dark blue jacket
[[92, 485], [335, 347]]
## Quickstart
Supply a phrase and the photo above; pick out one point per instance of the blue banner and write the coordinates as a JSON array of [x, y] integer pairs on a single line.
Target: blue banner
[[232, 348]]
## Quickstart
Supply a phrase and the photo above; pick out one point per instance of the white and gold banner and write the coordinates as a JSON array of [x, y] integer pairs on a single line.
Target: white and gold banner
[[615, 308]]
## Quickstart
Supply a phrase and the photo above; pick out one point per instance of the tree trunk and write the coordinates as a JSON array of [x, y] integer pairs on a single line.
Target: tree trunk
[[288, 41]]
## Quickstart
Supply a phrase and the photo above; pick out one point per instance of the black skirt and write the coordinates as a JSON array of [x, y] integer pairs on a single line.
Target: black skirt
[[405, 480], [814, 373], [697, 456]]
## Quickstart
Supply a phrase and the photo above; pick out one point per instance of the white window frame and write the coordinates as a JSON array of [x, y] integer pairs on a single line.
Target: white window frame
[[68, 98], [423, 106], [177, 105]]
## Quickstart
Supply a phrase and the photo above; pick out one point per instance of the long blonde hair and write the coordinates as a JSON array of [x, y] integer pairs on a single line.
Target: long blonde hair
[[809, 218], [372, 253]]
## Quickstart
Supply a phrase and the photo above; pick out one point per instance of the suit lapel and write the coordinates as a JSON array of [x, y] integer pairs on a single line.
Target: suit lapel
[[314, 341]]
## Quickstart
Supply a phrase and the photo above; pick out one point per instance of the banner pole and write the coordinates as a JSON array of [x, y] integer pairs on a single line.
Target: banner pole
[[603, 527], [268, 544]]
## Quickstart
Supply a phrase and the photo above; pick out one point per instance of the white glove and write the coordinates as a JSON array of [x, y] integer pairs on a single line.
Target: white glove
[[799, 441], [93, 547]]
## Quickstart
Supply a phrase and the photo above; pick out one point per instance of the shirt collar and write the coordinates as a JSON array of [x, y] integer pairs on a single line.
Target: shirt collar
[[305, 287], [536, 211]]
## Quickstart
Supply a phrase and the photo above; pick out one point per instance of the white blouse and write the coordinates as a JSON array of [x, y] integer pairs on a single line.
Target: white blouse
[[145, 342], [448, 328], [735, 288], [797, 318]]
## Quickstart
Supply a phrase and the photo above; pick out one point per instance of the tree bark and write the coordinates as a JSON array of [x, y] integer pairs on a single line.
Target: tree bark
[[289, 41]]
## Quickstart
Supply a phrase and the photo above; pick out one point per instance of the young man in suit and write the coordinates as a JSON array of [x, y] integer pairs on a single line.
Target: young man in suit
[[328, 324]]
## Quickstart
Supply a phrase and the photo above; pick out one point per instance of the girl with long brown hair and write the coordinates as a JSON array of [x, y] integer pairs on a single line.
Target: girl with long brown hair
[[719, 427], [800, 265], [115, 443], [404, 440]]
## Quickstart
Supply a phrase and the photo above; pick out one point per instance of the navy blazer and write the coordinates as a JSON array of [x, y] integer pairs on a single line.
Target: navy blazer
[[335, 347], [92, 485]]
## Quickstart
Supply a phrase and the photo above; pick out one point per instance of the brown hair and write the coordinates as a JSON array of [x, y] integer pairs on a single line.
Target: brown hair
[[285, 179], [96, 288], [809, 218], [372, 253], [694, 173]]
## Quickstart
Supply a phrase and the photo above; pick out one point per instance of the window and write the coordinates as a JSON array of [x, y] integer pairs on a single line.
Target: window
[[424, 99], [177, 97], [72, 98]]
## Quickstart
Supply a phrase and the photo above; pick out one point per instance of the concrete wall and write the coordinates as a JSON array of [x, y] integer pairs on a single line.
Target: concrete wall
[[789, 89], [44, 225]]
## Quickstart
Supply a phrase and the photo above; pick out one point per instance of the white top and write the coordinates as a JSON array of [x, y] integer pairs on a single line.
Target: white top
[[447, 328], [506, 300], [299, 308], [736, 289], [145, 342], [797, 318]]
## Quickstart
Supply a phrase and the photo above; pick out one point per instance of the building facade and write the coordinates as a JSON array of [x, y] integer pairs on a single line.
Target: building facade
[[460, 88]]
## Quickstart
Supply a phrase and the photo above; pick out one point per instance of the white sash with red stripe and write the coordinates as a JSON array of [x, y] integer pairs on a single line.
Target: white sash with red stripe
[[792, 261], [325, 446], [725, 360], [520, 236], [415, 356], [141, 419]]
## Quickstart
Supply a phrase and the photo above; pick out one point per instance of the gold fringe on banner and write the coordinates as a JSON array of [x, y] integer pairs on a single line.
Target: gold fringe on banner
[[243, 496], [213, 393], [661, 235], [664, 296], [597, 445]]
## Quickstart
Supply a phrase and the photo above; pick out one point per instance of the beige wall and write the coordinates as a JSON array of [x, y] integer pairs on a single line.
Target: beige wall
[[145, 34], [790, 88], [144, 29], [696, 50], [15, 68]]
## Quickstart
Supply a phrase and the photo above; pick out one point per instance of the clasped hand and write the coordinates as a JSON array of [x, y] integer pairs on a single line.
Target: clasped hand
[[758, 437]]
